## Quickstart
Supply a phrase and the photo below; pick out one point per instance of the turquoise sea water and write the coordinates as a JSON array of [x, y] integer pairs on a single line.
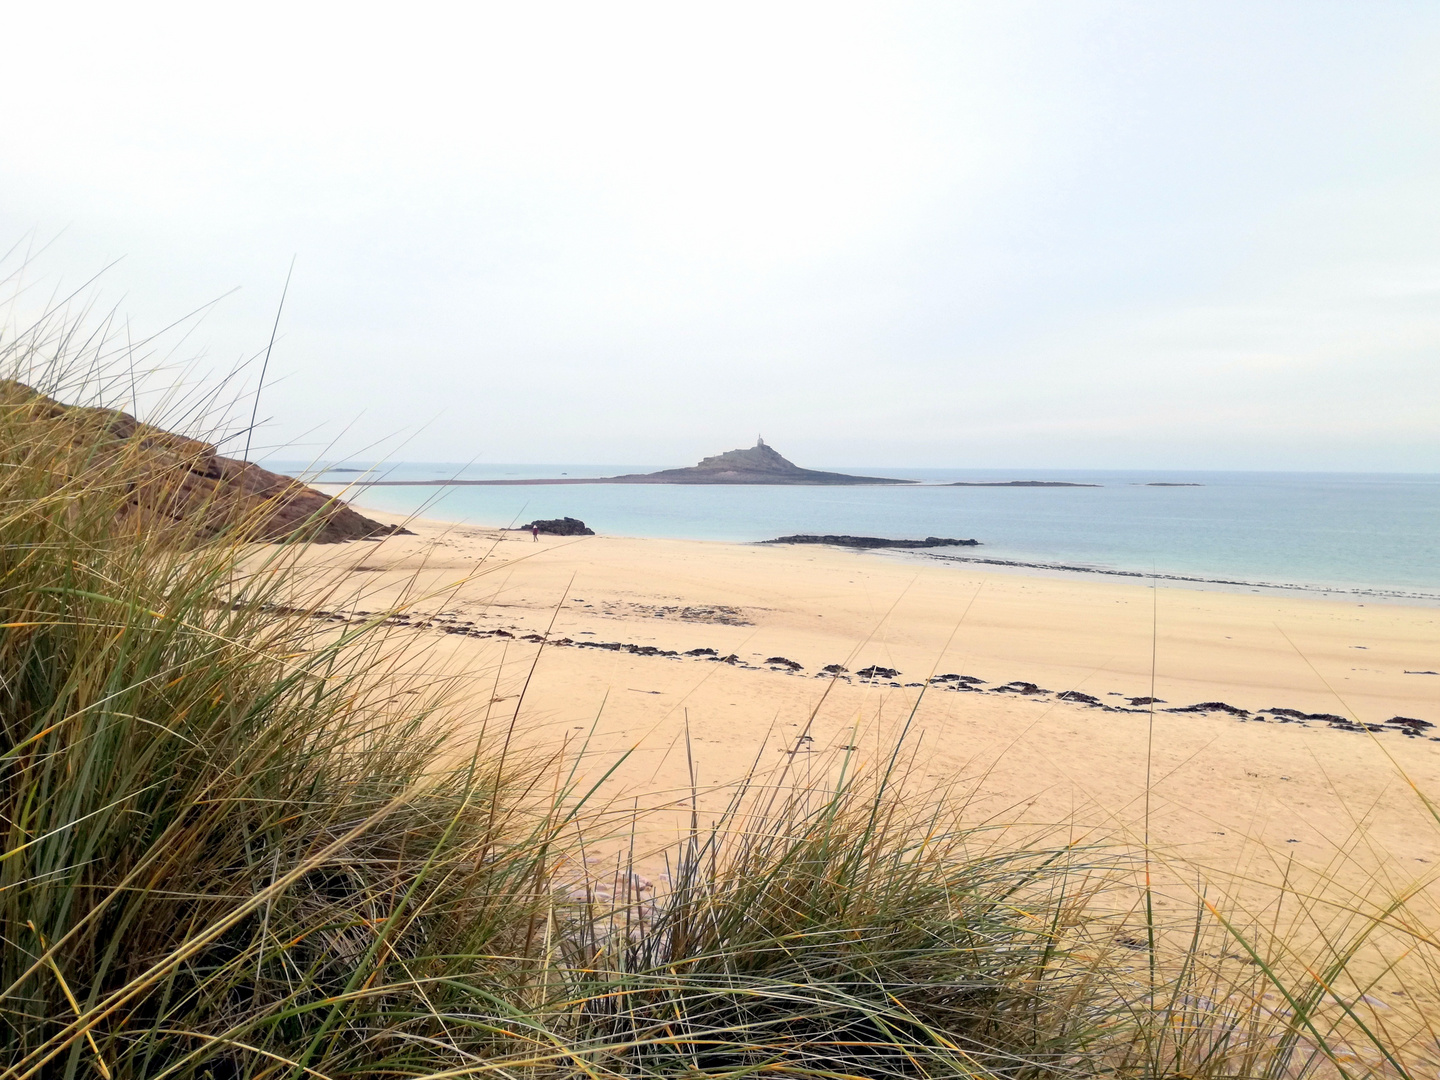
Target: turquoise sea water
[[1367, 533]]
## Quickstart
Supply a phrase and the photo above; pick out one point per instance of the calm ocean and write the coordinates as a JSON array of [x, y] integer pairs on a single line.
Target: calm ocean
[[1347, 532]]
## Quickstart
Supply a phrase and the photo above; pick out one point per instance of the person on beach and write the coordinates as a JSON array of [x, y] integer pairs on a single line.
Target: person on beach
[[535, 533]]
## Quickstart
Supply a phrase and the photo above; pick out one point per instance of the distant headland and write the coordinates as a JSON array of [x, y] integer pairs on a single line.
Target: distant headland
[[760, 464]]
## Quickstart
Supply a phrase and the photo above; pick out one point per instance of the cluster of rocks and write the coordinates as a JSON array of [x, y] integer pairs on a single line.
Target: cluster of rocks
[[877, 675]]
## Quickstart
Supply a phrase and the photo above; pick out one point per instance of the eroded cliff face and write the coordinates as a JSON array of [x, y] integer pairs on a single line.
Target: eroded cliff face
[[181, 481]]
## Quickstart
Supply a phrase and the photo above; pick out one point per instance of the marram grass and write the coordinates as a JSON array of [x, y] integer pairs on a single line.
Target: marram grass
[[230, 851]]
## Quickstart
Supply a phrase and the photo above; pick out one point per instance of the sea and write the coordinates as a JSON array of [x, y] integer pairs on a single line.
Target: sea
[[1341, 534]]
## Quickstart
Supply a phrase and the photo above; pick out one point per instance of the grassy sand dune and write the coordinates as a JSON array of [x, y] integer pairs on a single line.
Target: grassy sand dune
[[244, 841]]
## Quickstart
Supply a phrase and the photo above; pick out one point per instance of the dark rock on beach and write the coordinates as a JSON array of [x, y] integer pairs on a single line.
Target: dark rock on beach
[[1296, 714], [1211, 706], [566, 526], [1018, 687], [1301, 716], [869, 542], [1411, 725]]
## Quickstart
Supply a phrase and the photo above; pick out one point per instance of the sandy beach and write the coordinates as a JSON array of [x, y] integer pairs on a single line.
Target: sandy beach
[[589, 621]]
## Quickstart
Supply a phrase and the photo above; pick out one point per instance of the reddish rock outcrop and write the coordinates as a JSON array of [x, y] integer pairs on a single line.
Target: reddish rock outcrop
[[180, 480]]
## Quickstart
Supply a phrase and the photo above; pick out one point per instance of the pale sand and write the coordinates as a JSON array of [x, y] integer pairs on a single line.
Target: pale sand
[[819, 606], [1227, 796]]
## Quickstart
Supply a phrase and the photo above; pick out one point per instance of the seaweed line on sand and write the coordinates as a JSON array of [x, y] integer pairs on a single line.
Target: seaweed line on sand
[[452, 623]]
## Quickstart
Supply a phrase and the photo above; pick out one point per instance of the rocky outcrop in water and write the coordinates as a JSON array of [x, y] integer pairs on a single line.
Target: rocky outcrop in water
[[869, 542]]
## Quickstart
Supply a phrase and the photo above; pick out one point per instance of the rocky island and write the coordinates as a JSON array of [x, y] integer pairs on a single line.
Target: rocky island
[[760, 464]]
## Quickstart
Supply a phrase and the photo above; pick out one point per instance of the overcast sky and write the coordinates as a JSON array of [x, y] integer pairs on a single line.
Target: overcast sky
[[1150, 235]]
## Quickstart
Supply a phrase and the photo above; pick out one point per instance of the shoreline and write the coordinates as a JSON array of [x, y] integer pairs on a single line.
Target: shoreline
[[1402, 596], [1384, 595]]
